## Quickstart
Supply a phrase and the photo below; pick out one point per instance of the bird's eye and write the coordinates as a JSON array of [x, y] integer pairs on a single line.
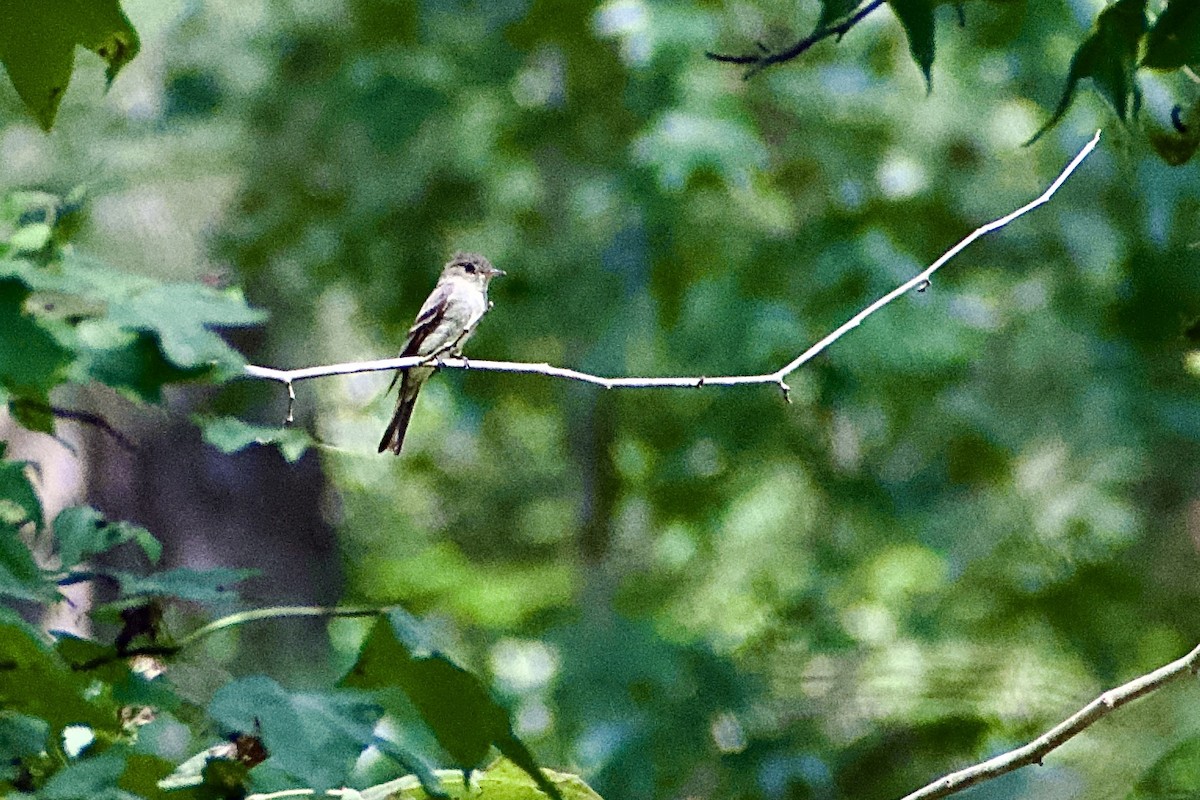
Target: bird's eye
[[469, 267]]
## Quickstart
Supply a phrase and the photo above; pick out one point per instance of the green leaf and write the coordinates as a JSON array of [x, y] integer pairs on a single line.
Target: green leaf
[[83, 532], [20, 576], [916, 16], [132, 363], [502, 780], [31, 360], [31, 238], [37, 46], [314, 737], [1176, 774], [1174, 41], [198, 586], [35, 681], [21, 736], [1109, 57], [86, 778], [229, 435], [34, 414], [457, 707], [18, 501], [183, 316]]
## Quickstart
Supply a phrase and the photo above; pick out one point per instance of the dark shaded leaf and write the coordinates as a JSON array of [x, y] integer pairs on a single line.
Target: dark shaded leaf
[[20, 576], [458, 707], [18, 501], [917, 18], [38, 40], [32, 362], [1174, 41], [21, 735], [1109, 57], [135, 366]]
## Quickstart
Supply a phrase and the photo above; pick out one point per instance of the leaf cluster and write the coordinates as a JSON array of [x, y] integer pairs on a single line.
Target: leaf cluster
[[84, 717]]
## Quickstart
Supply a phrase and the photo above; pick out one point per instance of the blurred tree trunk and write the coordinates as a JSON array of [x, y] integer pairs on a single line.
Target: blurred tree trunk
[[246, 510]]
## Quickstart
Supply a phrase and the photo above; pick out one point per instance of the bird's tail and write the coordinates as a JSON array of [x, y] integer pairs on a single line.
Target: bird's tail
[[393, 437]]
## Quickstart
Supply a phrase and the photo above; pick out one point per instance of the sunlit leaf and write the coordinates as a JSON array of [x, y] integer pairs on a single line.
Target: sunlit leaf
[[501, 780], [229, 435], [37, 682], [184, 317], [30, 238]]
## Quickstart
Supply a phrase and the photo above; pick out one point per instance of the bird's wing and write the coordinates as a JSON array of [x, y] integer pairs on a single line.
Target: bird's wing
[[427, 319]]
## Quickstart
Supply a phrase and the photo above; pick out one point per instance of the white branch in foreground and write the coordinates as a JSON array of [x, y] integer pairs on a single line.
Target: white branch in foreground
[[778, 377], [1035, 751]]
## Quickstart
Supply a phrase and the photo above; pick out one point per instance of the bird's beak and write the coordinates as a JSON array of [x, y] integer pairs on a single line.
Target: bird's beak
[[497, 273]]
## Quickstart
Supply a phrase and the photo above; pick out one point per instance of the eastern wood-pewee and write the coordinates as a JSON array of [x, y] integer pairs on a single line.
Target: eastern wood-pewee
[[444, 323]]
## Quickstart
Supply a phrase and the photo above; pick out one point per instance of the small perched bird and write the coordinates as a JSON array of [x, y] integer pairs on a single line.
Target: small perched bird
[[444, 323]]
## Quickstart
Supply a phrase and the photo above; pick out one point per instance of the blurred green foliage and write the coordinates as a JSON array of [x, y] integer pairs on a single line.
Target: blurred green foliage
[[978, 511]]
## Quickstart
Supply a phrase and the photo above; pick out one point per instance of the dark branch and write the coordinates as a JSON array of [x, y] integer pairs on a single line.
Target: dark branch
[[757, 62], [82, 417]]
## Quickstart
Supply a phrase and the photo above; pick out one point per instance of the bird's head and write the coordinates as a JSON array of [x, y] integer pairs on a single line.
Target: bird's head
[[471, 267]]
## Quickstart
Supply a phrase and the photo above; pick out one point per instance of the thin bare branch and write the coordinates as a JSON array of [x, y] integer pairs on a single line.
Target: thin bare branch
[[1035, 751], [919, 282], [757, 62]]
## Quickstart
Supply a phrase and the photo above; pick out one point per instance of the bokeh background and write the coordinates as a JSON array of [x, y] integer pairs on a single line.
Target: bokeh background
[[979, 510]]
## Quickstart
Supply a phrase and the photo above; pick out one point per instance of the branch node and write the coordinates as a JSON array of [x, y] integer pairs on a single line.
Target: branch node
[[291, 417], [787, 391], [700, 382], [923, 285]]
